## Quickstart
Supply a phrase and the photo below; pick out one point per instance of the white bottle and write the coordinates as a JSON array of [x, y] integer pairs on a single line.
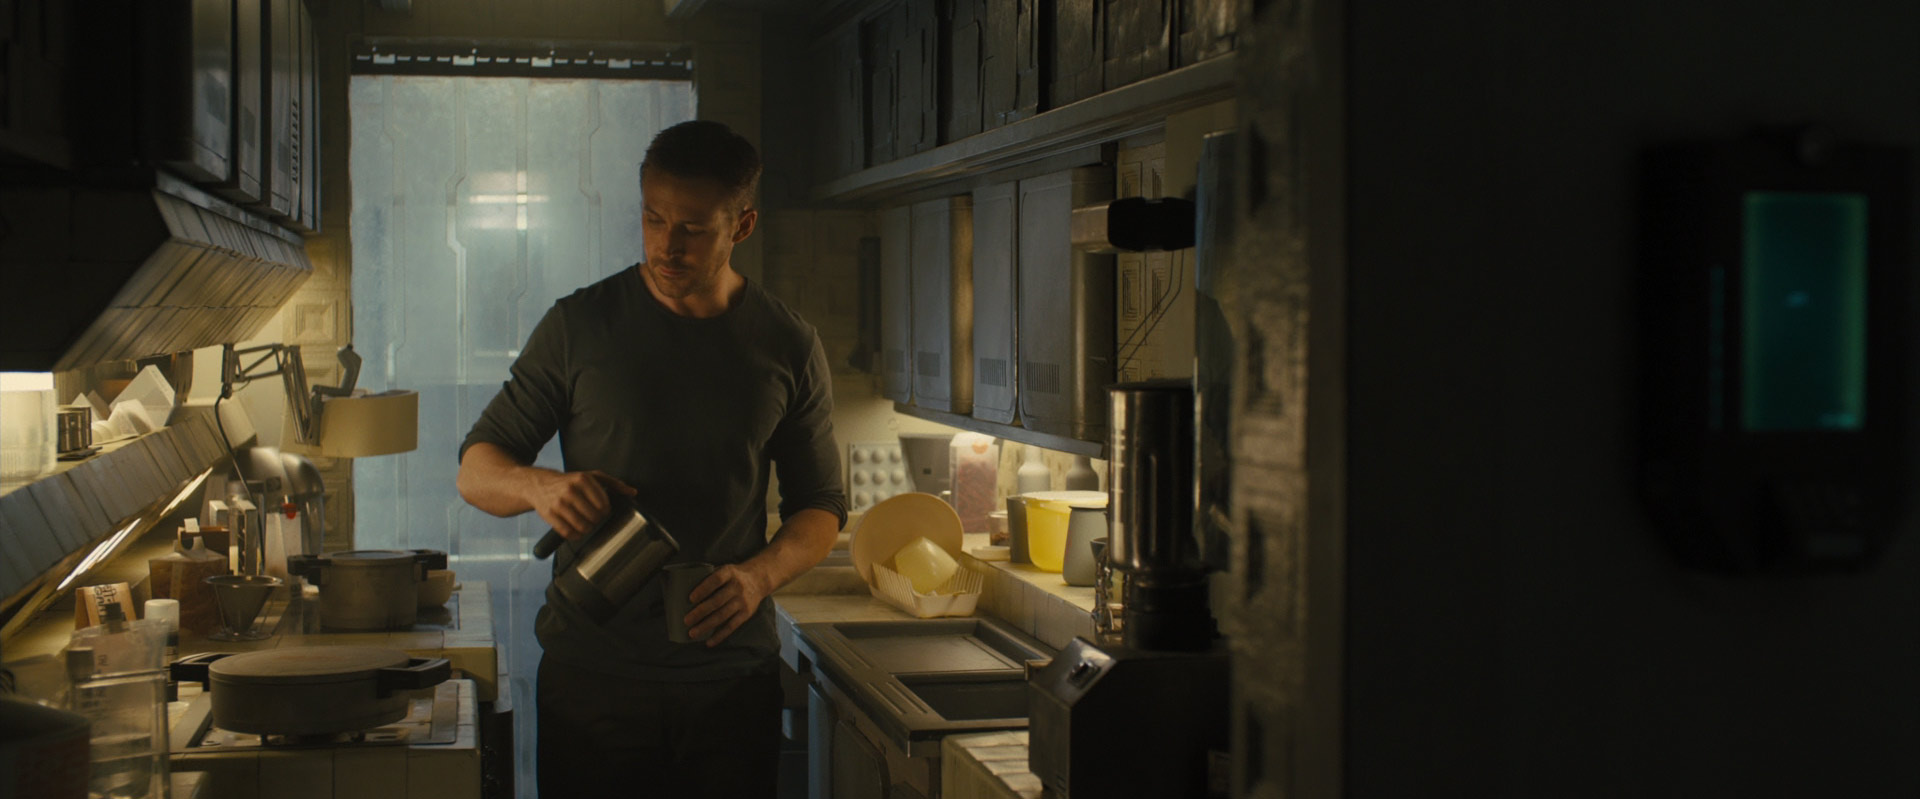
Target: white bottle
[[1082, 477], [1033, 475]]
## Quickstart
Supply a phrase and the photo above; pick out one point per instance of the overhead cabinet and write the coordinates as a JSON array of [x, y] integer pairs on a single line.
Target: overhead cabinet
[[995, 274], [896, 303], [943, 304], [1065, 308], [227, 92], [188, 104]]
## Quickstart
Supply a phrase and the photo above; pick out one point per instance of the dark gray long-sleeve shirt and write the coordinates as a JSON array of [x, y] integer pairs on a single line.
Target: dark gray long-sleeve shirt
[[693, 413]]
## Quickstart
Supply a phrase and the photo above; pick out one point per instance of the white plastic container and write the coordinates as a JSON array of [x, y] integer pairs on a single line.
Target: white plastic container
[[27, 414]]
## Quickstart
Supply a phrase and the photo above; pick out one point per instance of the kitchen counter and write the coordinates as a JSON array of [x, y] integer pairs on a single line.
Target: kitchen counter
[[792, 610], [987, 765], [461, 632]]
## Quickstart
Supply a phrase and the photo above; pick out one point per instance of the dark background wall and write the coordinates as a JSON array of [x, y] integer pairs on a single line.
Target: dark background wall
[[1513, 626]]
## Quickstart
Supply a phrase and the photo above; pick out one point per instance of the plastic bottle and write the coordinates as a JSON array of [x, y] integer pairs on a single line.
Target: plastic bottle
[[1082, 477], [167, 611], [1033, 475]]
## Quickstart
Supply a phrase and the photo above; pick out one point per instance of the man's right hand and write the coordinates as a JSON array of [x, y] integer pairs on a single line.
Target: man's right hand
[[573, 503]]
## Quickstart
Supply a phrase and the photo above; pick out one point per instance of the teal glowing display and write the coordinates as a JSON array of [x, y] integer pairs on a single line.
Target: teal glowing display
[[1804, 331]]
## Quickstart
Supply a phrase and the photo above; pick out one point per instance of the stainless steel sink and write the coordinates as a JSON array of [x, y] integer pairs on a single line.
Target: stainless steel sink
[[971, 697], [923, 679]]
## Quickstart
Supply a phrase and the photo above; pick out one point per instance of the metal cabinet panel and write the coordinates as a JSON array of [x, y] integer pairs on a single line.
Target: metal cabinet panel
[[821, 720], [247, 131], [896, 303], [919, 64], [306, 217], [963, 41], [1010, 63], [880, 52], [1137, 40], [1204, 29], [1075, 52], [901, 48], [1065, 308], [187, 96], [943, 304], [996, 219], [280, 150], [842, 147]]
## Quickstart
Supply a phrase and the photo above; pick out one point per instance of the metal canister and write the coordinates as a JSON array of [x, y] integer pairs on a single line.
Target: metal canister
[[74, 426], [1151, 446]]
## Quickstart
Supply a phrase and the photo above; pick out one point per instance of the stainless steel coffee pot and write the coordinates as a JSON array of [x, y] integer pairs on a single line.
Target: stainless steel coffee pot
[[612, 564]]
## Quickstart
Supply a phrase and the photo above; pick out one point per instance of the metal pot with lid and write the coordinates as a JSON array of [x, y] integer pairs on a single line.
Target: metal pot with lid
[[368, 589], [310, 690]]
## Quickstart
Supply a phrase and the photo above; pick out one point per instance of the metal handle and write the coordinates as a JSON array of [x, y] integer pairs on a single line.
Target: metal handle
[[430, 558], [193, 668], [308, 566], [547, 544], [418, 673]]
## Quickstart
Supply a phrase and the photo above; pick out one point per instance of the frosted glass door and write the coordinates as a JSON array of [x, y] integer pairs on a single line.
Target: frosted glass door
[[476, 203]]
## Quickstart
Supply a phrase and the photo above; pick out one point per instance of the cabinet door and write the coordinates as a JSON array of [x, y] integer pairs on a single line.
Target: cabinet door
[[896, 303], [1075, 53], [918, 47], [1066, 308], [841, 147], [995, 220], [1204, 29], [821, 721], [859, 768], [1009, 62], [1138, 40], [963, 35], [247, 123], [187, 98], [307, 184], [282, 146], [880, 52], [943, 304]]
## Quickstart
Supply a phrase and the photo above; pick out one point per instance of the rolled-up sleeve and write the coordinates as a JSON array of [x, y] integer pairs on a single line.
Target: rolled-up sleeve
[[532, 403], [805, 455]]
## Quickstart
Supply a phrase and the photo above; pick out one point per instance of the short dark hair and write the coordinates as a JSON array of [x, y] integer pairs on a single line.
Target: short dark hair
[[703, 148]]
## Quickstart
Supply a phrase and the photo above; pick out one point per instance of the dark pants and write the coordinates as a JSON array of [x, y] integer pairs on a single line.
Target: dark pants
[[603, 736]]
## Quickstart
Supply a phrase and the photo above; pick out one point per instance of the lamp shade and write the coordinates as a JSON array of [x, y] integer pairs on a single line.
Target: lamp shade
[[370, 424]]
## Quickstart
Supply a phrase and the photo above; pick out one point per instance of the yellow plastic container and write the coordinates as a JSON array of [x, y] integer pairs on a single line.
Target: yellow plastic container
[[1047, 513]]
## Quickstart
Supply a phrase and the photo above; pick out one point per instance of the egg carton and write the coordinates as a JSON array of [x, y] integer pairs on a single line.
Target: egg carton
[[956, 597], [875, 472]]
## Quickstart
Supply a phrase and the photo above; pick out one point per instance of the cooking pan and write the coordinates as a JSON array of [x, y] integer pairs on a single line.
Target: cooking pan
[[310, 690]]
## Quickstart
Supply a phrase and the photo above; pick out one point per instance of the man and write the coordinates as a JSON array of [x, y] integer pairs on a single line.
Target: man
[[675, 382]]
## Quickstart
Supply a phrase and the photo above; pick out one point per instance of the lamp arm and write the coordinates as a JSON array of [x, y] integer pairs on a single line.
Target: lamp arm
[[305, 403]]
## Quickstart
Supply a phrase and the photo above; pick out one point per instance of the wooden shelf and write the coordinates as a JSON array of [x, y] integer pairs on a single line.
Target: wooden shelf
[[1071, 446], [1105, 117]]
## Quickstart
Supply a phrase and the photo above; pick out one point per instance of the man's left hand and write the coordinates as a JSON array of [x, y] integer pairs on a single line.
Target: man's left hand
[[724, 601]]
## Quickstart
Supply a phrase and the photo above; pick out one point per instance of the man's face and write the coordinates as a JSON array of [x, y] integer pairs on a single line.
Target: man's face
[[691, 225]]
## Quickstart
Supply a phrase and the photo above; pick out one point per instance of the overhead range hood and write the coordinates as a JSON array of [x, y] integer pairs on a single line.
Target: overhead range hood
[[102, 274]]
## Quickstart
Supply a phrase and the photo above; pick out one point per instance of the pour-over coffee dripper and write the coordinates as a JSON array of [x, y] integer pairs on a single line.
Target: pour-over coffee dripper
[[240, 598]]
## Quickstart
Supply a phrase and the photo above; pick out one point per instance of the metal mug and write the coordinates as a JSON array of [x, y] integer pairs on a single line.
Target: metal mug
[[681, 579], [74, 424]]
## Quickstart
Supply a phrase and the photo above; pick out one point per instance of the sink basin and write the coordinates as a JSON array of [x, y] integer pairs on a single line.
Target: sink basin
[[970, 698]]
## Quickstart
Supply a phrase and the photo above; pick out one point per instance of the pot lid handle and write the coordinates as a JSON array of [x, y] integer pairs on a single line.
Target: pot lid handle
[[193, 668], [308, 566], [418, 673]]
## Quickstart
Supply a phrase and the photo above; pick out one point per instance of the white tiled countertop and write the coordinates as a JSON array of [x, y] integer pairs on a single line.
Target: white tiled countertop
[[987, 765]]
